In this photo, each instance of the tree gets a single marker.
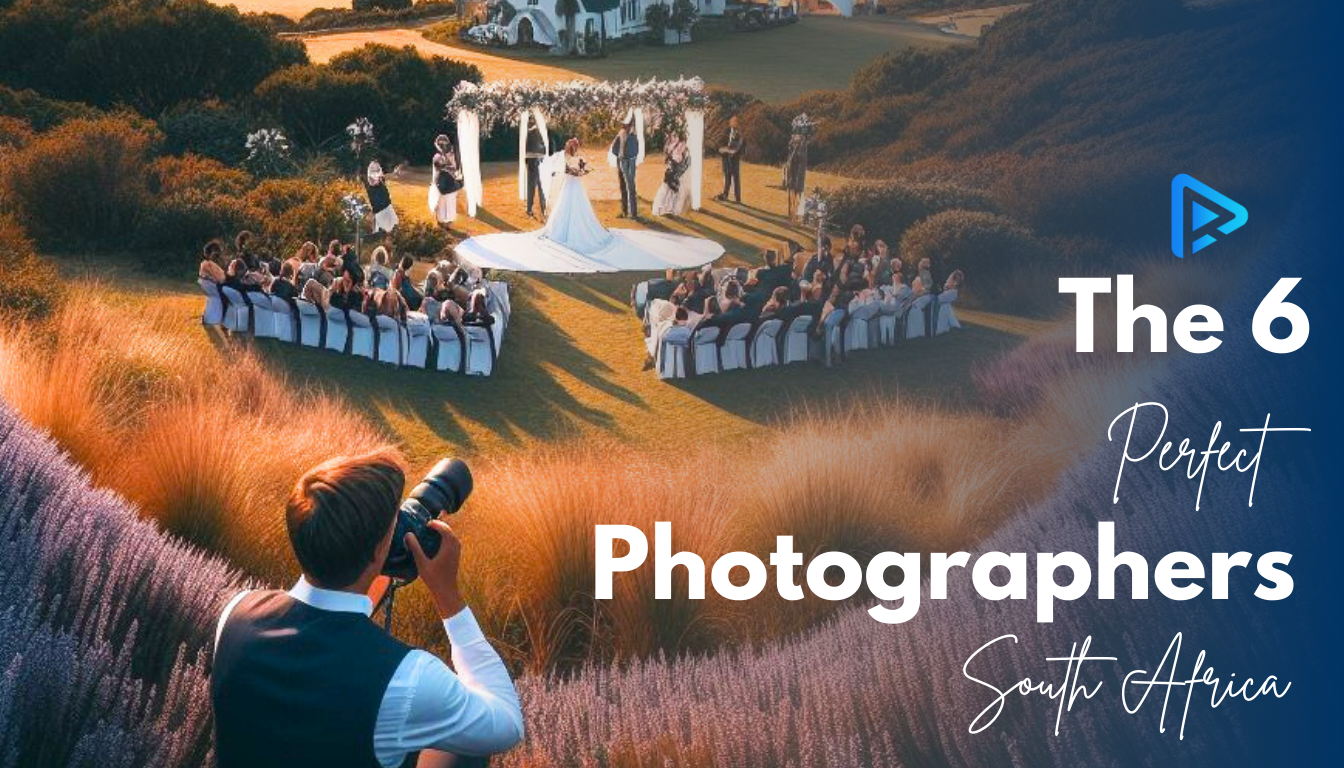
(314, 103)
(570, 9)
(148, 55)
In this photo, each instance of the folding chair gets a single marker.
(283, 313)
(214, 303)
(238, 314)
(765, 343)
(733, 351)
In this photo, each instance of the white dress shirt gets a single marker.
(474, 712)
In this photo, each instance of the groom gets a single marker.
(626, 150)
(536, 151)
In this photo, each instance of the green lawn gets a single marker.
(819, 52)
(572, 362)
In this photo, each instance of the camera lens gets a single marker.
(443, 491)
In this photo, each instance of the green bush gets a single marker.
(1007, 268)
(32, 287)
(315, 103)
(365, 14)
(886, 210)
(83, 182)
(15, 132)
(906, 71)
(413, 90)
(39, 111)
(149, 55)
(208, 128)
(380, 5)
(284, 213)
(420, 240)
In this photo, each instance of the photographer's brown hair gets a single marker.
(339, 512)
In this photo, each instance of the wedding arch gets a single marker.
(478, 109)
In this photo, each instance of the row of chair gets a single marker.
(415, 343)
(681, 351)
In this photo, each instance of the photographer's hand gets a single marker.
(440, 573)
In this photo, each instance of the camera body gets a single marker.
(443, 491)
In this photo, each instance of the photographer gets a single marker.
(306, 678)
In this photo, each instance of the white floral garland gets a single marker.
(504, 101)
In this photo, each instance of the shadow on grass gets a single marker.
(925, 369)
(524, 400)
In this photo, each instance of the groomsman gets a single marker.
(536, 151)
(626, 149)
(732, 161)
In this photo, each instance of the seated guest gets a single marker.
(334, 249)
(954, 280)
(917, 288)
(211, 269)
(242, 250)
(779, 299)
(815, 288)
(327, 269)
(730, 298)
(350, 266)
(284, 286)
(477, 312)
(306, 255)
(926, 274)
(401, 283)
(857, 245)
(881, 266)
(346, 294)
(380, 274)
(386, 302)
(316, 293)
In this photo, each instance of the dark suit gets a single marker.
(536, 150)
(627, 157)
(732, 164)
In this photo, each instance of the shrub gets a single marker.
(420, 239)
(316, 103)
(207, 128)
(15, 132)
(413, 91)
(1006, 266)
(887, 209)
(287, 212)
(32, 287)
(40, 112)
(906, 71)
(84, 181)
(148, 55)
(380, 5)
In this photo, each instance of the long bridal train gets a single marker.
(574, 241)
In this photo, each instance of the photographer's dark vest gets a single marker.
(296, 685)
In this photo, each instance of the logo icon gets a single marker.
(1201, 215)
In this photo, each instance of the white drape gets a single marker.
(845, 7)
(522, 146)
(636, 114)
(469, 151)
(695, 139)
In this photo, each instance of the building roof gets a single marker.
(600, 6)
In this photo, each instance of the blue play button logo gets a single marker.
(1201, 215)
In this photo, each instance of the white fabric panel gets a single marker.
(629, 250)
(522, 155)
(695, 139)
(639, 133)
(469, 154)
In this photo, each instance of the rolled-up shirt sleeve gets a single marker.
(474, 712)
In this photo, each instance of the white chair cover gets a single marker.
(214, 303)
(946, 318)
(733, 352)
(361, 335)
(284, 319)
(914, 317)
(310, 323)
(765, 344)
(705, 350)
(673, 349)
(338, 331)
(448, 345)
(391, 340)
(417, 341)
(886, 321)
(238, 314)
(263, 319)
(795, 341)
(856, 331)
(480, 351)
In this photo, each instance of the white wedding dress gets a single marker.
(572, 222)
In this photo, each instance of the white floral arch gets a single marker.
(479, 108)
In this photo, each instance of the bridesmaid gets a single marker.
(380, 199)
(445, 182)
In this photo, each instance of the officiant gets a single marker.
(731, 152)
(535, 152)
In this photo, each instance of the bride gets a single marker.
(572, 222)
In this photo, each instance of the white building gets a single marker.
(537, 21)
